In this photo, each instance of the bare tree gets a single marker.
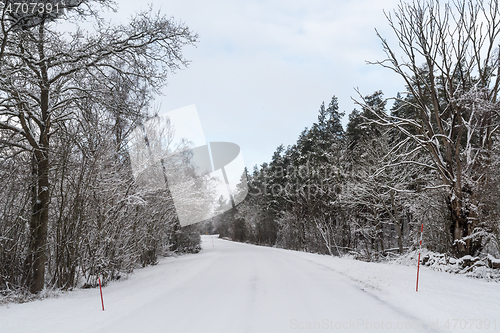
(43, 75)
(449, 61)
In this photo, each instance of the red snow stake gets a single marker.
(102, 300)
(419, 251)
(213, 241)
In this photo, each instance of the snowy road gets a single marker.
(228, 287)
(244, 288)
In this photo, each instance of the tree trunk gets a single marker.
(397, 222)
(400, 237)
(39, 224)
(458, 227)
(40, 217)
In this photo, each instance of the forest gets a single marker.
(71, 210)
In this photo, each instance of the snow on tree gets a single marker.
(448, 58)
(47, 75)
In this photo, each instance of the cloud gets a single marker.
(262, 68)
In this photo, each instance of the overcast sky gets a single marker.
(262, 68)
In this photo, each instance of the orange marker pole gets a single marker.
(102, 300)
(419, 251)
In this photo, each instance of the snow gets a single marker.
(474, 267)
(493, 259)
(443, 298)
(234, 287)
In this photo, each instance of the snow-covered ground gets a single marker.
(232, 287)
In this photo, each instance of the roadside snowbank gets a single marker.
(487, 268)
(447, 302)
